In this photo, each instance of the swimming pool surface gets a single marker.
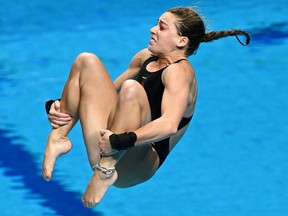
(233, 161)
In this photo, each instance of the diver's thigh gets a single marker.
(136, 166)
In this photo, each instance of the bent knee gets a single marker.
(86, 59)
(131, 90)
(130, 84)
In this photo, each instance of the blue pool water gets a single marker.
(233, 161)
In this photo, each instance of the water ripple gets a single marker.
(20, 165)
(275, 33)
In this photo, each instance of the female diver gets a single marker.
(130, 125)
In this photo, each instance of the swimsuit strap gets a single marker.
(179, 60)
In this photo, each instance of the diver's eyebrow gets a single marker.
(162, 22)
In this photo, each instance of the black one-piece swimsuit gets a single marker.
(152, 83)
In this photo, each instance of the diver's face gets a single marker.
(164, 36)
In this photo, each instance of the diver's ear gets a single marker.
(183, 41)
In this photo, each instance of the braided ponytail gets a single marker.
(191, 25)
(213, 35)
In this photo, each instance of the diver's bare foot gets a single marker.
(55, 147)
(97, 188)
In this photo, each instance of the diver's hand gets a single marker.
(105, 145)
(56, 118)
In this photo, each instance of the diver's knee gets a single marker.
(130, 90)
(87, 59)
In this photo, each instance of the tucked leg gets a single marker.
(89, 94)
(132, 111)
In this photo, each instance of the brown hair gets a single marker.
(191, 25)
